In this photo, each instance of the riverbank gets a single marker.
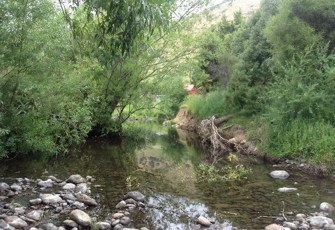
(232, 137)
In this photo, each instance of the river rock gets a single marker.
(76, 179)
(81, 218)
(117, 215)
(79, 205)
(81, 188)
(35, 201)
(204, 221)
(70, 223)
(69, 186)
(50, 198)
(326, 207)
(19, 210)
(68, 196)
(125, 220)
(45, 183)
(274, 227)
(16, 187)
(290, 225)
(329, 227)
(86, 200)
(5, 226)
(49, 226)
(285, 189)
(279, 174)
(35, 215)
(122, 204)
(118, 226)
(136, 195)
(103, 225)
(3, 198)
(320, 221)
(53, 178)
(16, 222)
(4, 189)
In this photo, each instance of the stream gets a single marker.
(165, 171)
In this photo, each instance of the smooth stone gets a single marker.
(326, 207)
(122, 204)
(136, 195)
(86, 200)
(130, 201)
(117, 215)
(35, 201)
(118, 226)
(290, 225)
(3, 198)
(53, 178)
(68, 196)
(285, 189)
(103, 225)
(49, 226)
(274, 227)
(203, 221)
(329, 227)
(46, 184)
(19, 210)
(4, 189)
(79, 205)
(81, 188)
(70, 223)
(116, 222)
(279, 174)
(35, 215)
(3, 224)
(81, 218)
(16, 222)
(69, 186)
(76, 179)
(50, 198)
(125, 220)
(144, 228)
(61, 228)
(16, 187)
(304, 226)
(319, 221)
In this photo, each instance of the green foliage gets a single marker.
(301, 138)
(207, 105)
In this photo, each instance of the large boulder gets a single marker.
(279, 174)
(81, 218)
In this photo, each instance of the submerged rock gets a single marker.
(279, 174)
(285, 189)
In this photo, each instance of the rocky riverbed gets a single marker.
(55, 204)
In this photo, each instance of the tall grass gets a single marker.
(312, 140)
(206, 105)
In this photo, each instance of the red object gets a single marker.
(191, 89)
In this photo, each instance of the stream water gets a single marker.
(165, 170)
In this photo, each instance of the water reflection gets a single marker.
(164, 169)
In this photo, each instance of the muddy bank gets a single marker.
(222, 138)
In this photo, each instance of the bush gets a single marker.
(206, 105)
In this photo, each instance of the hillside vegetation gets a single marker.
(276, 71)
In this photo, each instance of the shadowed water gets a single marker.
(165, 170)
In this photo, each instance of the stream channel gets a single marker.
(165, 170)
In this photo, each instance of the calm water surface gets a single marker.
(165, 170)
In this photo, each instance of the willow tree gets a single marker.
(116, 40)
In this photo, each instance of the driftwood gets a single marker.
(219, 144)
